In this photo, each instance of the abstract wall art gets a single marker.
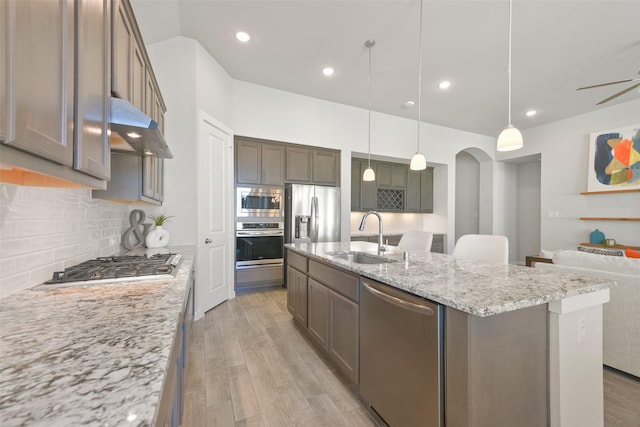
(614, 159)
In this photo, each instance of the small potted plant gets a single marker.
(159, 220)
(159, 236)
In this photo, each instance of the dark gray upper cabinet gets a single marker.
(3, 66)
(426, 191)
(395, 189)
(274, 163)
(391, 175)
(41, 73)
(56, 55)
(135, 179)
(92, 151)
(363, 193)
(258, 162)
(420, 191)
(326, 167)
(308, 165)
(299, 164)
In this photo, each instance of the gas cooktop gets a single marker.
(118, 269)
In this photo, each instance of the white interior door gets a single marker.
(214, 268)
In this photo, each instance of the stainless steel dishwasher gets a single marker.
(401, 356)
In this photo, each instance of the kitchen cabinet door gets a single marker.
(391, 175)
(299, 165)
(41, 52)
(356, 178)
(413, 199)
(272, 164)
(426, 191)
(343, 335)
(326, 167)
(93, 51)
(138, 77)
(248, 162)
(3, 75)
(318, 313)
(123, 39)
(368, 192)
(297, 295)
(153, 178)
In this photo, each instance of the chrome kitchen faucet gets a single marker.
(381, 246)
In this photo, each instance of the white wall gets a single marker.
(190, 81)
(43, 230)
(564, 149)
(528, 241)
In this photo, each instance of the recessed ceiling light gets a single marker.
(242, 36)
(444, 84)
(531, 113)
(409, 104)
(328, 71)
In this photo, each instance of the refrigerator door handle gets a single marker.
(314, 218)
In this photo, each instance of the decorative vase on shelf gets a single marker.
(596, 237)
(158, 237)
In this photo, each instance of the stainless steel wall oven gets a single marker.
(259, 243)
(259, 254)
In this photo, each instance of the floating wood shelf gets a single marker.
(586, 193)
(595, 245)
(609, 219)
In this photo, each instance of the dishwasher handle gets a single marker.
(398, 302)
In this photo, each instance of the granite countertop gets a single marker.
(470, 286)
(89, 355)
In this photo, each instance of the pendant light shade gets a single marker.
(510, 138)
(418, 161)
(369, 174)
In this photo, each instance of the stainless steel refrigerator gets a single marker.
(312, 214)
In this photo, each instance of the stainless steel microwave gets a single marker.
(259, 202)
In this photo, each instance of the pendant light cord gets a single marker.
(419, 74)
(370, 44)
(509, 62)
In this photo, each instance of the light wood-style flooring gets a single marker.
(248, 365)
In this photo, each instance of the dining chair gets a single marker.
(492, 249)
(415, 240)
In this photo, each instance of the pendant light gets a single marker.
(369, 174)
(418, 162)
(510, 138)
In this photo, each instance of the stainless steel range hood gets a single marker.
(137, 129)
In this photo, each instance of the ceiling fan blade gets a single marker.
(622, 92)
(606, 84)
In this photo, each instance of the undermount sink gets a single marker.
(360, 257)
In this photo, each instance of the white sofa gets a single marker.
(621, 315)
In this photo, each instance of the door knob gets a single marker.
(207, 241)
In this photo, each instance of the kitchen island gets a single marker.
(93, 355)
(519, 346)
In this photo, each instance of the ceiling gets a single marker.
(558, 46)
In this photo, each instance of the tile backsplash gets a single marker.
(43, 230)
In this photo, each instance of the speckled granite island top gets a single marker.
(89, 355)
(473, 287)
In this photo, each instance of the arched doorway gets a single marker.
(473, 193)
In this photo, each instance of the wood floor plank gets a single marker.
(243, 397)
(622, 399)
(219, 414)
(249, 365)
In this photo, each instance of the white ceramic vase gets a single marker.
(158, 237)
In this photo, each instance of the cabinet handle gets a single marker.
(207, 241)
